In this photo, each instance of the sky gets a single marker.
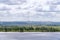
(30, 10)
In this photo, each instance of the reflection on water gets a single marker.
(30, 36)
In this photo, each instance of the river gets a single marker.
(29, 35)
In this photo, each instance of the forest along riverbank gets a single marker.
(29, 28)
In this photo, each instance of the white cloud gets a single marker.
(33, 10)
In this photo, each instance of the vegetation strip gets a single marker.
(30, 29)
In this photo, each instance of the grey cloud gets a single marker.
(45, 15)
(4, 9)
(56, 2)
(12, 2)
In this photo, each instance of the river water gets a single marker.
(29, 35)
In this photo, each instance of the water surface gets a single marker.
(30, 36)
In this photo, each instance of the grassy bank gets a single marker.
(29, 28)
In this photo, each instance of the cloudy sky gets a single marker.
(30, 10)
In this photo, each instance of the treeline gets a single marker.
(30, 29)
